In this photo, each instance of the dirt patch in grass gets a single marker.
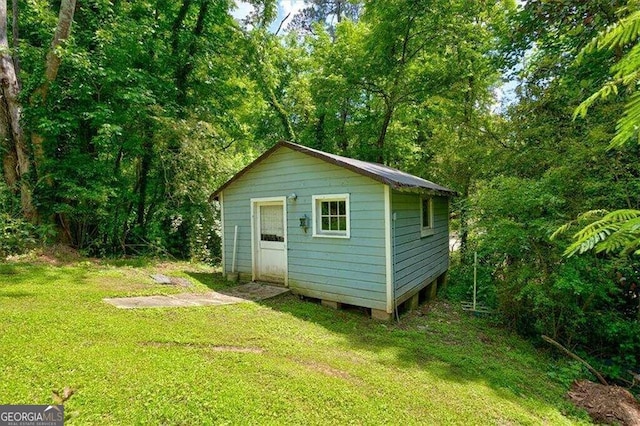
(55, 255)
(208, 346)
(236, 349)
(487, 340)
(606, 404)
(326, 370)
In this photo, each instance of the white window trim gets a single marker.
(317, 231)
(426, 231)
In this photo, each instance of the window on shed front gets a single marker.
(271, 223)
(331, 215)
(426, 216)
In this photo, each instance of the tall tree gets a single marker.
(16, 160)
(324, 13)
(17, 150)
(119, 119)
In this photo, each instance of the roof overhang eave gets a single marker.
(424, 191)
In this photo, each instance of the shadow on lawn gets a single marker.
(442, 340)
(8, 269)
(469, 352)
(30, 274)
(215, 281)
(129, 262)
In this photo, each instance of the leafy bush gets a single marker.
(582, 301)
(16, 235)
(461, 275)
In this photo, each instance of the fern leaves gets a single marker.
(613, 232)
(625, 73)
(623, 32)
(617, 231)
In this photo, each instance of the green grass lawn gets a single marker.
(279, 361)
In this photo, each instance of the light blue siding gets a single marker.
(418, 260)
(343, 270)
(349, 270)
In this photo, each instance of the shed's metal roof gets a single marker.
(396, 179)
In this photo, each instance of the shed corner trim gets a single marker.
(388, 248)
(220, 198)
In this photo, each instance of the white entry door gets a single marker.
(270, 244)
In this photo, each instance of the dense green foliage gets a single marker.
(16, 235)
(157, 103)
(281, 361)
(617, 231)
(552, 170)
(135, 125)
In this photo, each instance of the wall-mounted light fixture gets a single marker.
(293, 196)
(304, 223)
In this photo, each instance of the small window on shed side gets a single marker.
(426, 216)
(331, 216)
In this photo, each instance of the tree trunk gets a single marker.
(186, 66)
(143, 181)
(9, 163)
(65, 18)
(9, 158)
(462, 136)
(319, 133)
(16, 40)
(182, 64)
(343, 141)
(282, 114)
(464, 225)
(388, 114)
(11, 129)
(177, 23)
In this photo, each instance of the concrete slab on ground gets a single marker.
(161, 279)
(240, 294)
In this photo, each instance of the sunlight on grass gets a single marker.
(282, 361)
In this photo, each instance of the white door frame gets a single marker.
(255, 247)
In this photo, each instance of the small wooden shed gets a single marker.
(335, 228)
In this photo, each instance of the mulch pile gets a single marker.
(606, 404)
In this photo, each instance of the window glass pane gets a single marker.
(332, 216)
(271, 223)
(426, 216)
(333, 210)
